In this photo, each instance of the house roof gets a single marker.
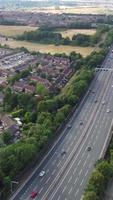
(8, 121)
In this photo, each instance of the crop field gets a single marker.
(75, 10)
(15, 30)
(70, 32)
(48, 48)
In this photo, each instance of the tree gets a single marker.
(90, 195)
(44, 115)
(27, 117)
(59, 118)
(65, 109)
(41, 89)
(7, 182)
(7, 137)
(105, 169)
(96, 183)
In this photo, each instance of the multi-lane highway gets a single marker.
(67, 175)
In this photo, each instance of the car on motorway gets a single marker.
(81, 123)
(42, 173)
(63, 152)
(89, 149)
(93, 92)
(96, 101)
(112, 86)
(69, 126)
(103, 102)
(34, 194)
(108, 111)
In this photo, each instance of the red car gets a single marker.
(34, 194)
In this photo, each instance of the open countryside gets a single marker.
(44, 48)
(75, 10)
(15, 30)
(70, 32)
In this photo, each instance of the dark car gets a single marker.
(89, 149)
(81, 123)
(63, 152)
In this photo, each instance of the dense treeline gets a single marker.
(100, 177)
(11, 23)
(109, 38)
(48, 35)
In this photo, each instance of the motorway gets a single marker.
(67, 176)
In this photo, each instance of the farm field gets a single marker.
(75, 10)
(15, 30)
(70, 32)
(48, 48)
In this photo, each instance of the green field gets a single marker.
(15, 30)
(44, 48)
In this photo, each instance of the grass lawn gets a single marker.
(44, 48)
(14, 30)
(70, 32)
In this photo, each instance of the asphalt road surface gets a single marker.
(67, 175)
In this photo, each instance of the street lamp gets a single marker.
(13, 182)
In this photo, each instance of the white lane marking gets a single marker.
(80, 172)
(87, 172)
(69, 179)
(76, 180)
(79, 162)
(82, 182)
(53, 171)
(74, 170)
(47, 180)
(76, 193)
(64, 189)
(41, 190)
(58, 164)
(59, 197)
(70, 190)
(85, 163)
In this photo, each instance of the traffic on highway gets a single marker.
(64, 172)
